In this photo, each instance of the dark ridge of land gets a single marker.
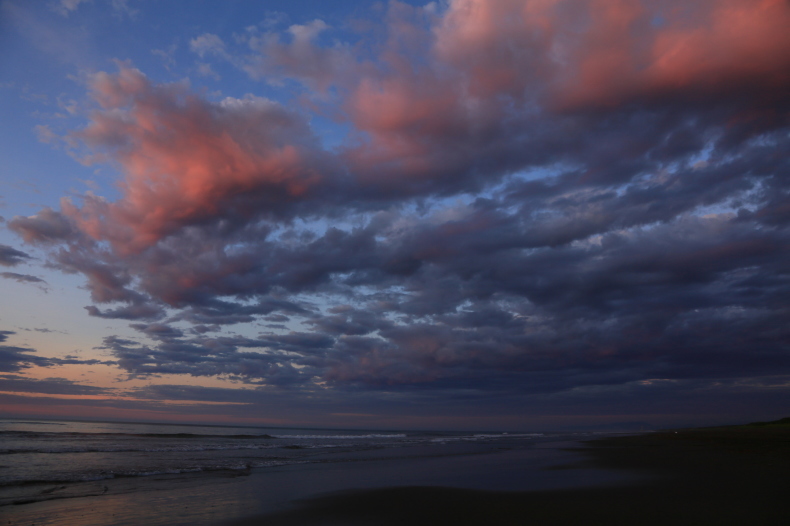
(773, 423)
(723, 476)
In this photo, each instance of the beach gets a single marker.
(717, 476)
(703, 476)
(105, 473)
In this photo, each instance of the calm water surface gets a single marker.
(122, 473)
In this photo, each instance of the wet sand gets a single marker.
(736, 475)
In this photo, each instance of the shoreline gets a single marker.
(219, 498)
(733, 475)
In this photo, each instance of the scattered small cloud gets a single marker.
(66, 7)
(205, 70)
(208, 44)
(167, 56)
(45, 134)
(70, 106)
(22, 278)
(14, 359)
(12, 383)
(120, 8)
(11, 257)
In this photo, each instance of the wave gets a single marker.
(25, 422)
(110, 449)
(508, 435)
(96, 477)
(28, 434)
(160, 449)
(337, 437)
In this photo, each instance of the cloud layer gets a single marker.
(534, 197)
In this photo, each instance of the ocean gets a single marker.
(44, 461)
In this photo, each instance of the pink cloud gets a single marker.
(186, 160)
(441, 99)
(499, 48)
(300, 58)
(576, 53)
(711, 48)
(487, 64)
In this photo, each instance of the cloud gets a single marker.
(48, 226)
(533, 198)
(188, 161)
(299, 58)
(45, 134)
(65, 7)
(205, 70)
(158, 331)
(54, 386)
(208, 44)
(134, 311)
(196, 393)
(11, 257)
(167, 56)
(14, 359)
(120, 7)
(219, 356)
(604, 53)
(22, 278)
(68, 44)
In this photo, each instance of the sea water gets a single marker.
(43, 460)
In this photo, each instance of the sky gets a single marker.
(462, 214)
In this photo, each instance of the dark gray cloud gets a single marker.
(15, 359)
(22, 278)
(542, 285)
(278, 360)
(158, 331)
(658, 403)
(53, 386)
(133, 311)
(46, 227)
(45, 330)
(10, 257)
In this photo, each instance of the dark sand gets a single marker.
(734, 475)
